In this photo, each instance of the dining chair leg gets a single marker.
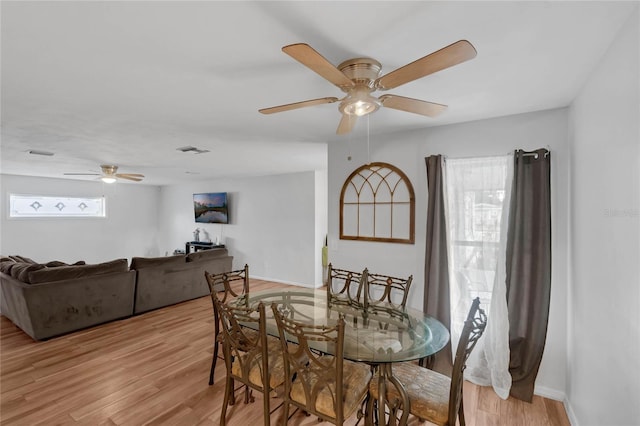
(229, 399)
(213, 363)
(461, 413)
(265, 408)
(285, 413)
(369, 411)
(216, 344)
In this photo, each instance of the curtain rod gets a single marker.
(533, 154)
(525, 153)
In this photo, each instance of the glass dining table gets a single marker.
(379, 334)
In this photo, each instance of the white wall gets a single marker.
(321, 222)
(130, 228)
(604, 326)
(480, 138)
(273, 224)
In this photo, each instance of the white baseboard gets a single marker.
(558, 396)
(572, 416)
(550, 393)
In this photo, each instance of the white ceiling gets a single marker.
(127, 83)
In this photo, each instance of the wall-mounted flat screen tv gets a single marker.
(211, 207)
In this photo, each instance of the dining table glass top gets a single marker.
(379, 333)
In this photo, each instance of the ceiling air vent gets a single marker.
(192, 149)
(36, 152)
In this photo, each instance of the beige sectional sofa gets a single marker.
(51, 299)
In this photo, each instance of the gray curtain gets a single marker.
(436, 269)
(528, 268)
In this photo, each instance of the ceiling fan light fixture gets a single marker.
(108, 179)
(359, 102)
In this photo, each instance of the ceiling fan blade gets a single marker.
(297, 105)
(346, 124)
(416, 106)
(308, 57)
(129, 177)
(454, 54)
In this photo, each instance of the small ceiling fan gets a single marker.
(109, 174)
(359, 77)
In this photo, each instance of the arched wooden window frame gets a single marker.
(365, 172)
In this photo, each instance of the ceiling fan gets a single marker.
(109, 174)
(359, 77)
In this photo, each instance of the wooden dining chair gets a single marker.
(384, 288)
(250, 358)
(224, 286)
(327, 386)
(345, 286)
(433, 396)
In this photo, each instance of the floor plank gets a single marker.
(154, 368)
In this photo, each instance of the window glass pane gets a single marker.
(475, 189)
(48, 206)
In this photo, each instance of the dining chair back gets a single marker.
(433, 396)
(250, 358)
(473, 329)
(318, 379)
(385, 288)
(224, 286)
(345, 286)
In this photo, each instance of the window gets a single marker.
(377, 203)
(48, 206)
(477, 204)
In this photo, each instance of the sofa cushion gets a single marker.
(17, 268)
(56, 263)
(22, 269)
(24, 259)
(78, 271)
(6, 263)
(207, 254)
(150, 262)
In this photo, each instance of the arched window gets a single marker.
(377, 203)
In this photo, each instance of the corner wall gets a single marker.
(604, 309)
(274, 226)
(479, 138)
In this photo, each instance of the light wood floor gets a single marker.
(154, 369)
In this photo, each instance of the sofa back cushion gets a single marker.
(138, 263)
(60, 273)
(6, 263)
(21, 270)
(207, 254)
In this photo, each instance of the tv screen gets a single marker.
(211, 207)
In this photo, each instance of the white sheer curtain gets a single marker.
(477, 193)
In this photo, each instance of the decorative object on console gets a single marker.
(211, 207)
(200, 245)
(377, 203)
